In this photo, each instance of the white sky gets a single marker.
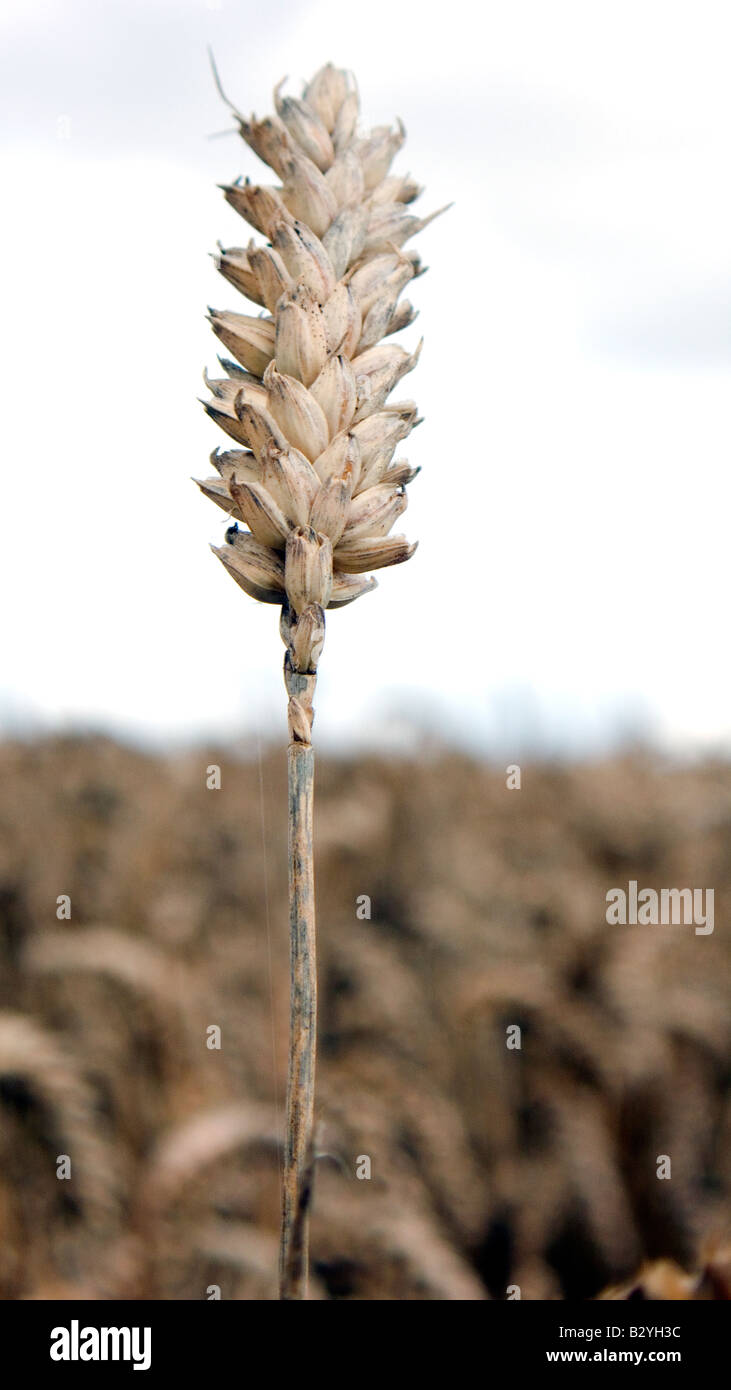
(571, 582)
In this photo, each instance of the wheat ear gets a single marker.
(314, 483)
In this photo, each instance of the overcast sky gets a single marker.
(571, 585)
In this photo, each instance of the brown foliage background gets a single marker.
(490, 1167)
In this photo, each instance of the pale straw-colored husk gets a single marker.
(313, 491)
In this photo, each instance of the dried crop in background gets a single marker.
(489, 1167)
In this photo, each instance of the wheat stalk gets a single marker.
(314, 484)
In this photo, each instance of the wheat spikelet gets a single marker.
(180, 1182)
(133, 962)
(662, 1280)
(201, 1140)
(33, 1058)
(315, 485)
(307, 396)
(242, 1245)
(33, 1055)
(146, 996)
(399, 1235)
(249, 1254)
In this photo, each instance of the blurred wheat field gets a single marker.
(490, 1167)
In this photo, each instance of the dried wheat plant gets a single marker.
(314, 483)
